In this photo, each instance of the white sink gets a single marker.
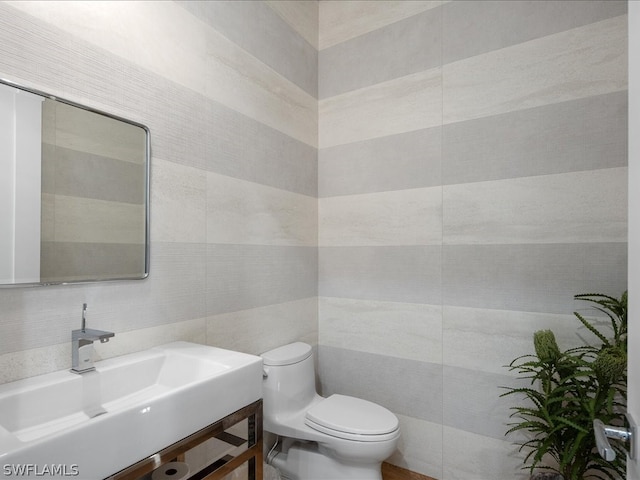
(98, 423)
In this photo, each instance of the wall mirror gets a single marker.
(74, 192)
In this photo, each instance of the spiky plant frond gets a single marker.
(569, 389)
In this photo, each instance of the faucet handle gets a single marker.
(84, 317)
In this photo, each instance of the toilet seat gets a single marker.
(352, 418)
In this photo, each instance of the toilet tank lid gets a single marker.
(287, 354)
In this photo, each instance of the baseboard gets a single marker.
(393, 472)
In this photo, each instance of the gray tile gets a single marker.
(472, 403)
(260, 31)
(401, 48)
(81, 174)
(240, 277)
(396, 162)
(584, 134)
(186, 127)
(491, 25)
(397, 274)
(73, 261)
(175, 290)
(196, 131)
(27, 312)
(531, 278)
(244, 148)
(406, 387)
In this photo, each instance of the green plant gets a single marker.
(568, 391)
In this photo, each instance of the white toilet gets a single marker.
(334, 438)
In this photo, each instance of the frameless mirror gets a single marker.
(74, 192)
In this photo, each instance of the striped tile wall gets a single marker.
(433, 130)
(229, 92)
(471, 179)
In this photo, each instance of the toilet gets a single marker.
(334, 438)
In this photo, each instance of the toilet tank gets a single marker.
(289, 384)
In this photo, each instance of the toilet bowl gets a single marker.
(334, 438)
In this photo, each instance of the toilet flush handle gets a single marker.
(265, 372)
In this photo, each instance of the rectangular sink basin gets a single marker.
(129, 408)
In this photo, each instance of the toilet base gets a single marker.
(305, 461)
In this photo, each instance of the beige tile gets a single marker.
(203, 59)
(243, 83)
(484, 457)
(577, 63)
(341, 21)
(420, 447)
(576, 207)
(84, 131)
(136, 340)
(260, 329)
(400, 105)
(178, 200)
(97, 221)
(402, 330)
(243, 212)
(301, 16)
(37, 361)
(142, 32)
(403, 217)
(486, 340)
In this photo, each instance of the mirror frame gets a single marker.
(147, 190)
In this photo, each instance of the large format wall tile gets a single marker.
(401, 105)
(484, 457)
(173, 293)
(179, 199)
(472, 402)
(244, 148)
(341, 21)
(204, 60)
(578, 63)
(240, 277)
(584, 134)
(577, 207)
(244, 212)
(186, 126)
(260, 31)
(531, 277)
(491, 25)
(488, 340)
(394, 162)
(420, 446)
(522, 130)
(51, 358)
(212, 108)
(394, 329)
(258, 330)
(403, 217)
(395, 274)
(380, 378)
(407, 46)
(301, 16)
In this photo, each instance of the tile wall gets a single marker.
(229, 92)
(471, 178)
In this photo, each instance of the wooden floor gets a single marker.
(391, 472)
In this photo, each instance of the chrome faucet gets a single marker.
(82, 345)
